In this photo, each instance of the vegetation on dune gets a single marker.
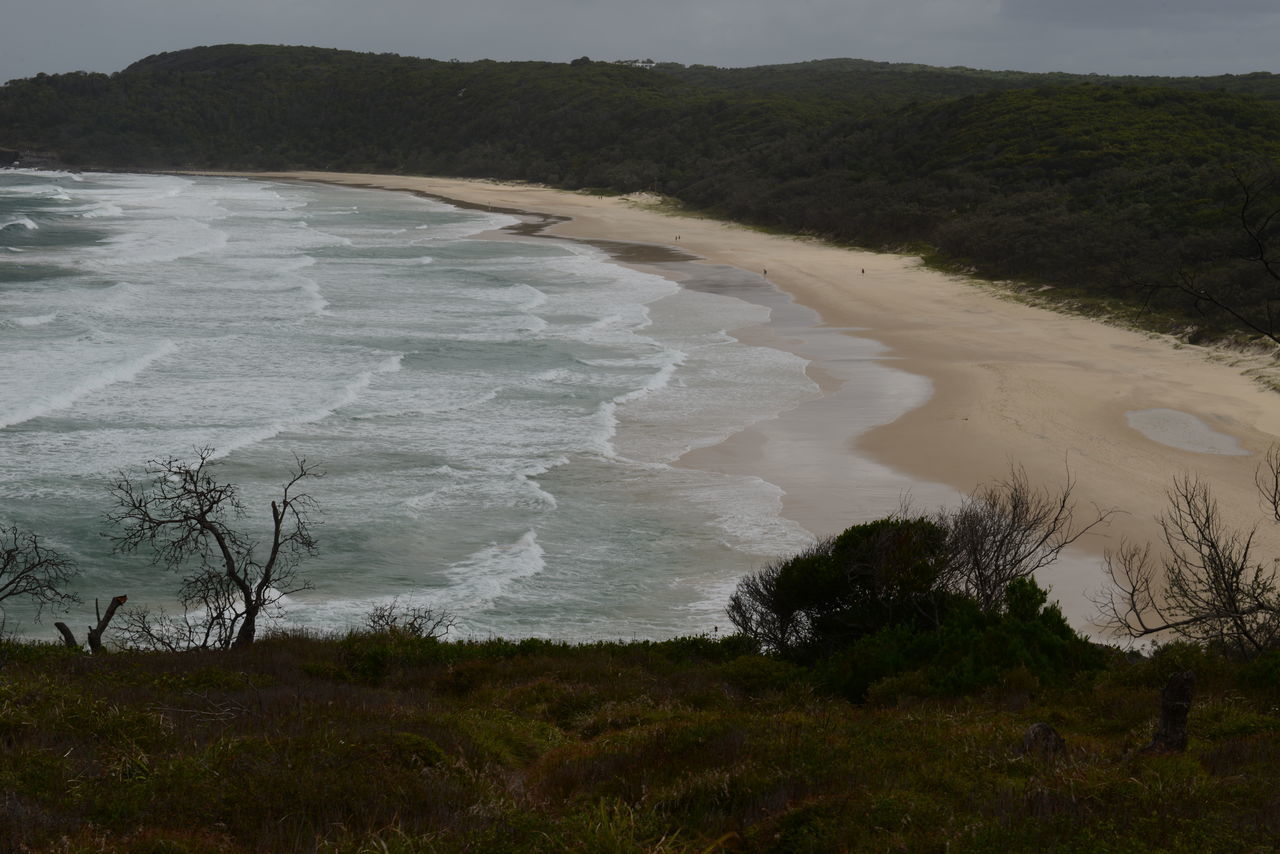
(385, 741)
(1125, 194)
(904, 686)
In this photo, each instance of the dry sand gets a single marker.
(1011, 384)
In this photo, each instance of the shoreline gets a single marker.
(792, 449)
(1010, 385)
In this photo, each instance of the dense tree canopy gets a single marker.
(1110, 189)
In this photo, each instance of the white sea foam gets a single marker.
(36, 320)
(103, 209)
(523, 297)
(45, 173)
(163, 241)
(346, 395)
(120, 372)
(120, 298)
(496, 487)
(658, 380)
(488, 573)
(20, 222)
(317, 303)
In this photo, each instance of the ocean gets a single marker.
(499, 419)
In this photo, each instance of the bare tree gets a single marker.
(1207, 586)
(192, 522)
(32, 571)
(1005, 531)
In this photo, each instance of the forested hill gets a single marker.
(1111, 191)
(896, 83)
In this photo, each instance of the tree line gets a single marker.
(1121, 194)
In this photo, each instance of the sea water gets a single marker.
(498, 420)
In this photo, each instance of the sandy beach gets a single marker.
(1007, 383)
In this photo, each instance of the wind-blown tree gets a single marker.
(192, 522)
(31, 570)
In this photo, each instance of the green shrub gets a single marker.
(1263, 673)
(417, 750)
(896, 689)
(754, 674)
(697, 648)
(870, 576)
(370, 657)
(967, 651)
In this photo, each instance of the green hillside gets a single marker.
(374, 743)
(1111, 191)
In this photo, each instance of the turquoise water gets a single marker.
(497, 418)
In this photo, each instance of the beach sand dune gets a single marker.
(1011, 384)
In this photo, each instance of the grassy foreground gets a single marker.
(386, 743)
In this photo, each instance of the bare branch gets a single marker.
(413, 621)
(191, 522)
(1214, 590)
(1006, 531)
(32, 571)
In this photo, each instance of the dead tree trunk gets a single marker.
(1175, 706)
(95, 632)
(68, 639)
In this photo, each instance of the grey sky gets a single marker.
(1167, 37)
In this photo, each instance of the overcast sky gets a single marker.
(1165, 37)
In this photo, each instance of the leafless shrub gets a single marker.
(410, 620)
(1207, 586)
(1006, 531)
(211, 612)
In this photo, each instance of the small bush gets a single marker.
(417, 750)
(900, 688)
(753, 674)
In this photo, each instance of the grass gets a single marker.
(388, 744)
